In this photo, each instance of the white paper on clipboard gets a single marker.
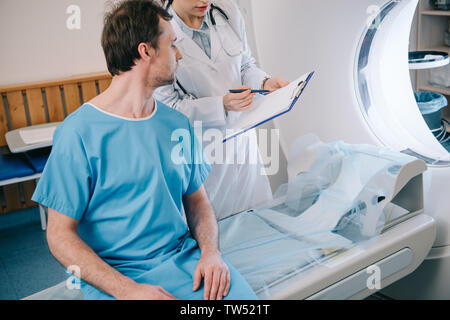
(268, 107)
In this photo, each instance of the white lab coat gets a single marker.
(231, 187)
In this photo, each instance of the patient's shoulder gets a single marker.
(69, 131)
(173, 117)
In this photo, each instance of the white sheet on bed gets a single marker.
(336, 199)
(263, 254)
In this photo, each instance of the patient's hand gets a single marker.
(140, 291)
(216, 276)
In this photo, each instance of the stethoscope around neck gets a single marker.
(227, 50)
(211, 10)
(214, 23)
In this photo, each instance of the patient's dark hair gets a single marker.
(128, 24)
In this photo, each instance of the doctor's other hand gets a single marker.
(142, 291)
(273, 84)
(215, 274)
(238, 101)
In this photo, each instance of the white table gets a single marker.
(43, 137)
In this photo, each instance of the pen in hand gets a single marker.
(252, 91)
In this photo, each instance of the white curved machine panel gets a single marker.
(361, 91)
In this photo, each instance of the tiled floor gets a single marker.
(26, 264)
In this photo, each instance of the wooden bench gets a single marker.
(38, 103)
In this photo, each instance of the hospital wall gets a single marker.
(38, 44)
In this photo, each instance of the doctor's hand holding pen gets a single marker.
(238, 101)
(241, 99)
(273, 84)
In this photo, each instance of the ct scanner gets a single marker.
(361, 93)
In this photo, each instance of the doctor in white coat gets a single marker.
(216, 58)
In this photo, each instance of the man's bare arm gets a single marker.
(203, 225)
(70, 250)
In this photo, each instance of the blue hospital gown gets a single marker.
(123, 180)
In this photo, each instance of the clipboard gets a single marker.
(295, 96)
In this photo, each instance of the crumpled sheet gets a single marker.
(338, 196)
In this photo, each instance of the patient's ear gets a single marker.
(146, 52)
